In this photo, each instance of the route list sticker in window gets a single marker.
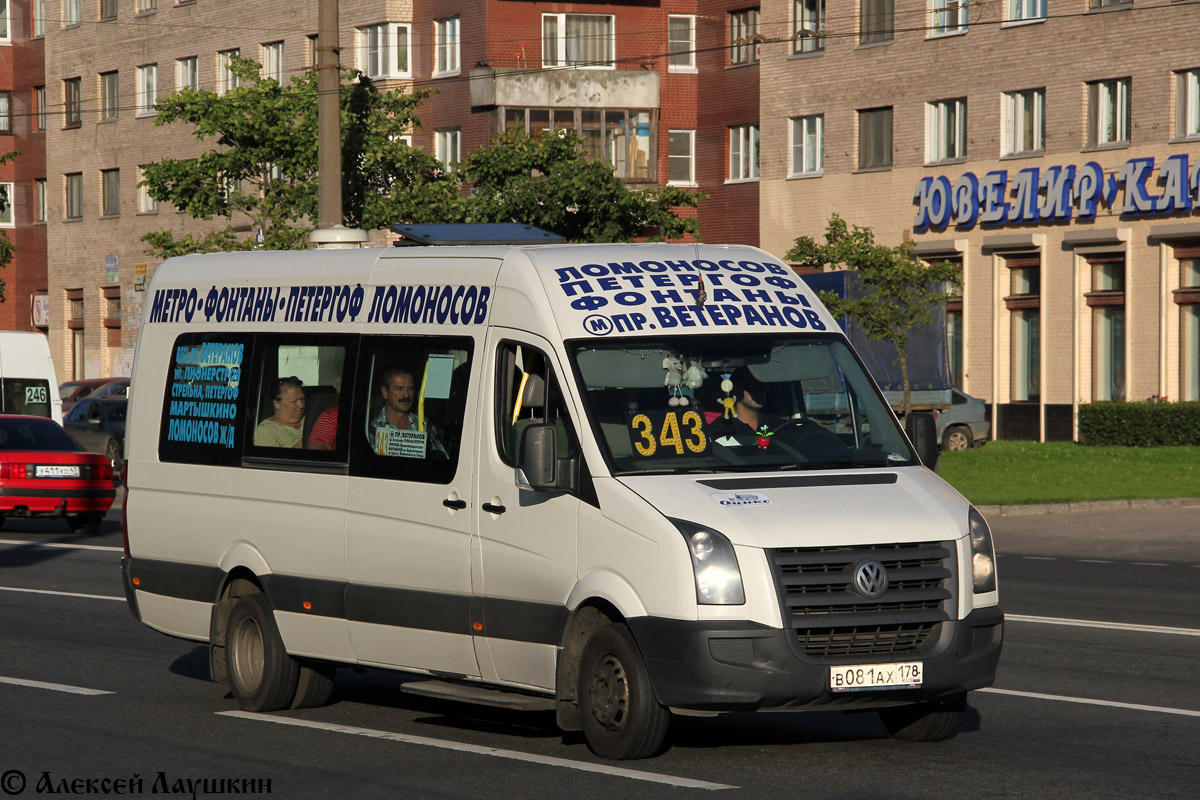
(204, 391)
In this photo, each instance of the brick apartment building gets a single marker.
(625, 76)
(1049, 146)
(22, 129)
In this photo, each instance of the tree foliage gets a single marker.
(259, 169)
(260, 161)
(898, 290)
(7, 248)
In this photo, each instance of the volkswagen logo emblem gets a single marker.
(870, 579)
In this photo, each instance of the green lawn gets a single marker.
(1002, 473)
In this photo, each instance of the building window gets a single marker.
(681, 42)
(945, 130)
(808, 35)
(146, 6)
(1108, 112)
(876, 21)
(1024, 122)
(147, 89)
(1187, 103)
(743, 153)
(1108, 3)
(1019, 10)
(681, 158)
(5, 112)
(875, 138)
(1024, 302)
(108, 10)
(227, 79)
(1107, 301)
(447, 148)
(38, 21)
(6, 213)
(110, 96)
(74, 195)
(808, 145)
(383, 51)
(621, 137)
(1189, 299)
(743, 36)
(578, 40)
(146, 203)
(948, 16)
(39, 200)
(72, 12)
(72, 103)
(39, 109)
(110, 192)
(311, 53)
(445, 38)
(272, 61)
(954, 330)
(187, 73)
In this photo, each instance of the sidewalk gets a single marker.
(1093, 506)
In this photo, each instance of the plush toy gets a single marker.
(672, 381)
(727, 400)
(694, 376)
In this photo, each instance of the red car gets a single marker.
(45, 472)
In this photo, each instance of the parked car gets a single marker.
(46, 472)
(71, 392)
(99, 424)
(965, 424)
(113, 387)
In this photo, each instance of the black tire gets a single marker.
(113, 453)
(261, 673)
(924, 722)
(957, 439)
(315, 685)
(89, 524)
(621, 716)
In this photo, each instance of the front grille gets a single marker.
(833, 620)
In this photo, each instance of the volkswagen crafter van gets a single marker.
(522, 475)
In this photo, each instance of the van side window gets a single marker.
(527, 392)
(410, 403)
(26, 396)
(301, 387)
(205, 400)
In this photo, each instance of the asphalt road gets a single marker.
(1096, 697)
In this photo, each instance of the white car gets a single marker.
(966, 424)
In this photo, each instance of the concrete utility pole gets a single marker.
(329, 122)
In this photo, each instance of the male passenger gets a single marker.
(389, 429)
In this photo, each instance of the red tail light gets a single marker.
(124, 504)
(103, 471)
(11, 470)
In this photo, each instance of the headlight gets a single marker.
(718, 579)
(983, 553)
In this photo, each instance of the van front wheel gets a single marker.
(622, 719)
(263, 676)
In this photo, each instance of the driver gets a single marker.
(749, 419)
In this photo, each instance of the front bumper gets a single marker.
(730, 666)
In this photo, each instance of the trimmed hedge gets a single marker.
(1139, 424)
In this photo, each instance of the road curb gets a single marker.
(1085, 507)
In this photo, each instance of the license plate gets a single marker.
(866, 677)
(57, 471)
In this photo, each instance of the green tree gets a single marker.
(7, 248)
(550, 183)
(260, 162)
(898, 291)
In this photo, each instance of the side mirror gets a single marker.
(540, 468)
(922, 432)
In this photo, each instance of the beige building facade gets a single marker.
(106, 63)
(1052, 147)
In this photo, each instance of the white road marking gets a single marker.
(1039, 558)
(551, 761)
(61, 594)
(54, 687)
(1185, 712)
(1112, 626)
(1095, 561)
(64, 545)
(1148, 564)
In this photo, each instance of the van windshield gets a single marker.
(702, 404)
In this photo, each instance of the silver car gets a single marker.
(966, 424)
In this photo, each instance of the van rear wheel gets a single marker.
(261, 673)
(924, 722)
(622, 718)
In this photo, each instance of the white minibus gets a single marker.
(619, 482)
(28, 384)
